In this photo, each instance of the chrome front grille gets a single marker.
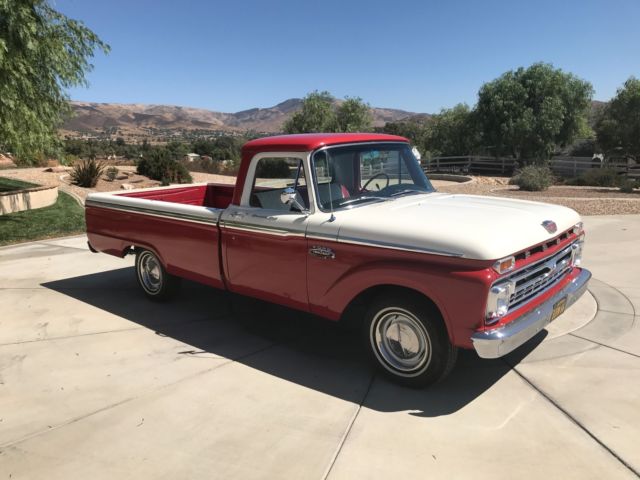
(535, 278)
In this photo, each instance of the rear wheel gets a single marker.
(407, 340)
(156, 283)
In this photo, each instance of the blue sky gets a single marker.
(414, 55)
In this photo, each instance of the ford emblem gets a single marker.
(550, 226)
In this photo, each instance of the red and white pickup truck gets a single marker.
(347, 226)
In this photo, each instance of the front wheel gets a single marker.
(407, 340)
(156, 283)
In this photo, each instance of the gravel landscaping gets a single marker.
(584, 200)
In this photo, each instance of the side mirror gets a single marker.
(289, 197)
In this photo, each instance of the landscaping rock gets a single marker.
(6, 162)
(127, 186)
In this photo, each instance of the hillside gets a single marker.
(138, 120)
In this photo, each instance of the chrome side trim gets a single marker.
(322, 236)
(209, 216)
(499, 341)
(245, 227)
(397, 246)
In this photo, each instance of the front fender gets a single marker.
(458, 292)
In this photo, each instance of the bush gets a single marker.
(112, 173)
(628, 185)
(86, 173)
(533, 178)
(203, 164)
(159, 165)
(599, 177)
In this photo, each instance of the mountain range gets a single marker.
(165, 120)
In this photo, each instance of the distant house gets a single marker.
(191, 157)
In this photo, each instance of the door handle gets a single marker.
(325, 253)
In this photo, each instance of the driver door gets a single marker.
(264, 240)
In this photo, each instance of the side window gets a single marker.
(273, 175)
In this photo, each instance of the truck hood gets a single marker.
(469, 226)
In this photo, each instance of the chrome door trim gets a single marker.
(245, 227)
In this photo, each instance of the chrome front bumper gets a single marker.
(500, 341)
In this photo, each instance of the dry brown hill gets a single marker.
(163, 120)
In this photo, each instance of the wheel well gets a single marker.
(355, 311)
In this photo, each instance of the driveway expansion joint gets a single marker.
(352, 421)
(573, 419)
(150, 391)
(604, 345)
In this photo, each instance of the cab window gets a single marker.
(272, 176)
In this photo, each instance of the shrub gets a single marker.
(628, 185)
(86, 173)
(159, 165)
(203, 164)
(599, 177)
(533, 178)
(112, 173)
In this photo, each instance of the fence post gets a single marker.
(502, 160)
(469, 158)
(575, 167)
(437, 164)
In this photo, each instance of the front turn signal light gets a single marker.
(505, 265)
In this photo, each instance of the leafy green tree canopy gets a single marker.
(530, 111)
(415, 129)
(353, 115)
(453, 131)
(42, 53)
(320, 114)
(316, 115)
(618, 128)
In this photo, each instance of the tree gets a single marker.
(42, 53)
(353, 115)
(528, 112)
(415, 129)
(453, 132)
(618, 128)
(317, 115)
(227, 148)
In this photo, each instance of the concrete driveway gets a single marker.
(97, 382)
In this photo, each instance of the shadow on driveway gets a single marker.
(300, 348)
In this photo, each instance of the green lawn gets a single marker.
(8, 184)
(65, 217)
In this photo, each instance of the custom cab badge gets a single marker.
(550, 226)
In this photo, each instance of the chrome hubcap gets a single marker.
(150, 272)
(400, 340)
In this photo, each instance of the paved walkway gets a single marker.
(97, 382)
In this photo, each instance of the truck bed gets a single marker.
(210, 195)
(179, 223)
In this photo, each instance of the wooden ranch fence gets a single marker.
(561, 166)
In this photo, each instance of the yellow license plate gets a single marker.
(558, 308)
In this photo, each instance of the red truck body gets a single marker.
(276, 266)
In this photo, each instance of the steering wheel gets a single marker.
(379, 174)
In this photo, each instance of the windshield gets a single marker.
(356, 174)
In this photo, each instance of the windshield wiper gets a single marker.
(405, 192)
(362, 199)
